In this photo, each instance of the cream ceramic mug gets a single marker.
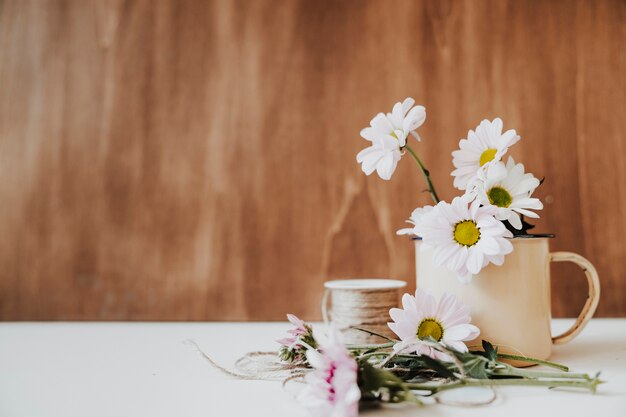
(510, 304)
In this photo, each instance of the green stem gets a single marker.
(373, 333)
(431, 187)
(533, 360)
(590, 385)
(507, 371)
(512, 371)
(372, 354)
(370, 347)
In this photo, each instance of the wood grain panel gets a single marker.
(194, 160)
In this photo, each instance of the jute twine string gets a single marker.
(354, 307)
(257, 365)
(360, 307)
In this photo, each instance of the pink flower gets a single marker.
(301, 338)
(332, 389)
(300, 329)
(446, 320)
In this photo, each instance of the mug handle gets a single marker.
(592, 300)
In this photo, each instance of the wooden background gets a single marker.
(195, 160)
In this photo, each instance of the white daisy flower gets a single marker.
(415, 219)
(508, 188)
(382, 157)
(465, 239)
(446, 321)
(403, 119)
(487, 144)
(387, 134)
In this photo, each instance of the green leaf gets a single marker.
(373, 379)
(491, 353)
(369, 379)
(438, 366)
(523, 231)
(475, 367)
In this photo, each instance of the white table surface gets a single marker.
(145, 369)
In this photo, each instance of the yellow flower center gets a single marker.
(500, 197)
(430, 328)
(466, 233)
(487, 156)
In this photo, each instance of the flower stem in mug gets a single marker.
(426, 173)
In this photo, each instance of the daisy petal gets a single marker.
(461, 332)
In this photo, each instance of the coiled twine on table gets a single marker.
(362, 303)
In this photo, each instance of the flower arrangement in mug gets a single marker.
(473, 230)
(430, 357)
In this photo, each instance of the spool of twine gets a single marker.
(362, 303)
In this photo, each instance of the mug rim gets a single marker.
(364, 284)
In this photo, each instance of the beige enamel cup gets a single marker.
(510, 304)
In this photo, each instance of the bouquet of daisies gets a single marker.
(472, 231)
(428, 358)
(429, 355)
